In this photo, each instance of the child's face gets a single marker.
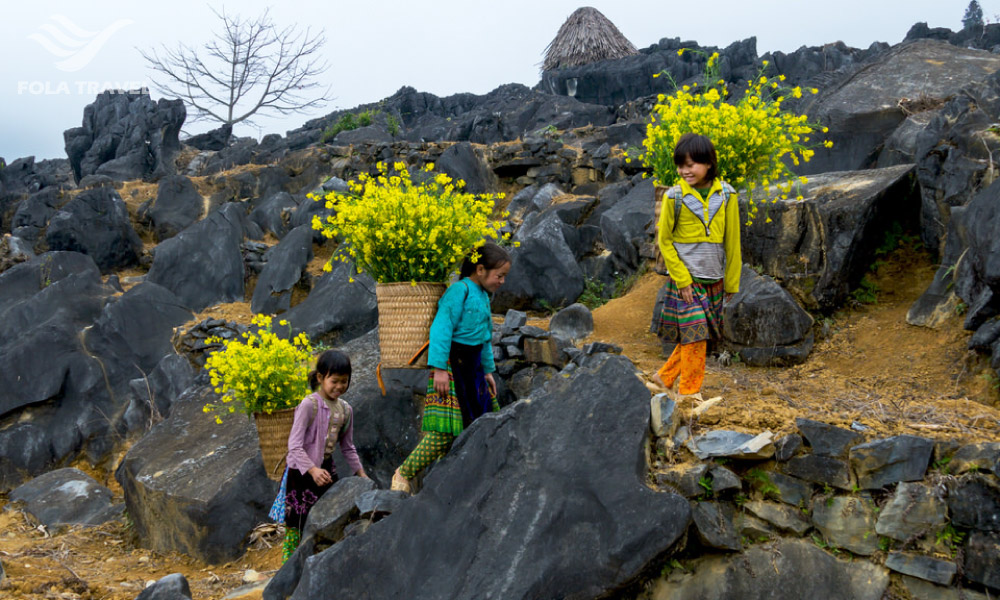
(491, 279)
(333, 385)
(695, 174)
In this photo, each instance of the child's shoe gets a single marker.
(400, 483)
(695, 397)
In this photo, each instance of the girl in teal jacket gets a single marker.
(461, 386)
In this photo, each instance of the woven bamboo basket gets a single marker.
(272, 432)
(405, 314)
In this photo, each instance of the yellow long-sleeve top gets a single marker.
(714, 219)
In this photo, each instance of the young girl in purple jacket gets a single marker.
(322, 420)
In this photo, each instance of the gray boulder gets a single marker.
(544, 270)
(126, 136)
(202, 265)
(557, 497)
(953, 155)
(825, 439)
(154, 393)
(976, 276)
(67, 497)
(935, 570)
(274, 213)
(982, 554)
(531, 199)
(340, 307)
(335, 509)
(866, 104)
(284, 269)
(775, 572)
(193, 486)
(939, 302)
(786, 518)
(628, 225)
(914, 510)
(819, 248)
(463, 162)
(378, 503)
(33, 213)
(96, 222)
(886, 461)
(714, 524)
(765, 324)
(57, 395)
(172, 587)
(846, 523)
(822, 470)
(574, 322)
(974, 503)
(177, 205)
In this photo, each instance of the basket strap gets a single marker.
(416, 356)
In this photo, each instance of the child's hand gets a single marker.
(687, 295)
(320, 476)
(441, 382)
(492, 384)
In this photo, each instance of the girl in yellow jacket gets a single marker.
(699, 238)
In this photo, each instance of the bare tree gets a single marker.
(249, 67)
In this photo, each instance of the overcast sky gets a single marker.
(57, 53)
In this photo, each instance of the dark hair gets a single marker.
(491, 256)
(331, 362)
(700, 150)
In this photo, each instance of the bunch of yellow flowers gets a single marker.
(397, 229)
(260, 373)
(754, 138)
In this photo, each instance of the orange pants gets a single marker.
(688, 361)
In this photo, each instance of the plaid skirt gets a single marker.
(468, 393)
(683, 323)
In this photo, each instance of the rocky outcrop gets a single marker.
(193, 486)
(866, 104)
(26, 176)
(536, 477)
(96, 222)
(203, 264)
(176, 206)
(70, 349)
(775, 571)
(126, 136)
(819, 248)
(284, 269)
(66, 497)
(765, 325)
(509, 112)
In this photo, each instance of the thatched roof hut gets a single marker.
(587, 36)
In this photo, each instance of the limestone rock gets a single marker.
(847, 523)
(775, 572)
(195, 487)
(67, 497)
(523, 505)
(899, 458)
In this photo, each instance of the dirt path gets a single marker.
(872, 368)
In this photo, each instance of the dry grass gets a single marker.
(587, 36)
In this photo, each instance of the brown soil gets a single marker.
(872, 368)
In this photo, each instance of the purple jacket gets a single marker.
(306, 444)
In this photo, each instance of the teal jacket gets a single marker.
(463, 316)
